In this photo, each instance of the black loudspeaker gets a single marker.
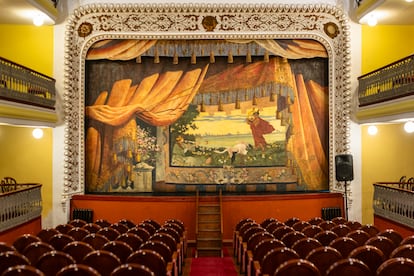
(344, 167)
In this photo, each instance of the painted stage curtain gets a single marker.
(160, 99)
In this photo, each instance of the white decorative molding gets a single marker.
(91, 23)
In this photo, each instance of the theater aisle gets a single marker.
(211, 266)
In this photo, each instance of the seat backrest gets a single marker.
(95, 240)
(315, 220)
(252, 230)
(120, 227)
(78, 269)
(132, 270)
(24, 240)
(111, 233)
(149, 226)
(127, 222)
(305, 245)
(150, 258)
(77, 222)
(385, 244)
(170, 231)
(393, 235)
(348, 266)
(121, 249)
(153, 222)
(311, 230)
(176, 226)
(359, 236)
(22, 270)
(341, 230)
(267, 221)
(279, 232)
(272, 226)
(326, 224)
(165, 238)
(354, 225)
(46, 233)
(241, 222)
(372, 230)
(176, 221)
(78, 250)
(256, 238)
(323, 257)
(370, 255)
(326, 237)
(103, 261)
(4, 247)
(404, 251)
(92, 227)
(59, 241)
(298, 226)
(338, 220)
(143, 233)
(408, 240)
(159, 247)
(131, 239)
(64, 228)
(396, 266)
(297, 267)
(8, 184)
(34, 250)
(78, 233)
(290, 238)
(275, 257)
(291, 221)
(53, 261)
(102, 223)
(344, 245)
(264, 246)
(12, 258)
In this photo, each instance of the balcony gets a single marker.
(26, 94)
(387, 91)
(20, 205)
(395, 202)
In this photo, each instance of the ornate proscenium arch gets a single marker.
(92, 23)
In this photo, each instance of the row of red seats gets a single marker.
(324, 247)
(99, 248)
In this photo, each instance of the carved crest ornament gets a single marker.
(91, 23)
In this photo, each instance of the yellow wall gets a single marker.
(386, 156)
(23, 157)
(27, 159)
(382, 45)
(29, 46)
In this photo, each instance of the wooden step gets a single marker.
(209, 252)
(209, 233)
(209, 243)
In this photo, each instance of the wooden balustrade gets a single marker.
(24, 85)
(390, 82)
(20, 205)
(395, 201)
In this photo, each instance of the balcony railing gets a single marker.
(390, 82)
(20, 205)
(395, 201)
(23, 85)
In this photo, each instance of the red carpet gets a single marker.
(213, 266)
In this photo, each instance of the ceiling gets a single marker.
(21, 12)
(390, 12)
(387, 12)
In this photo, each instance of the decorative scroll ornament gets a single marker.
(95, 22)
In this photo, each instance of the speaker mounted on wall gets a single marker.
(344, 167)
